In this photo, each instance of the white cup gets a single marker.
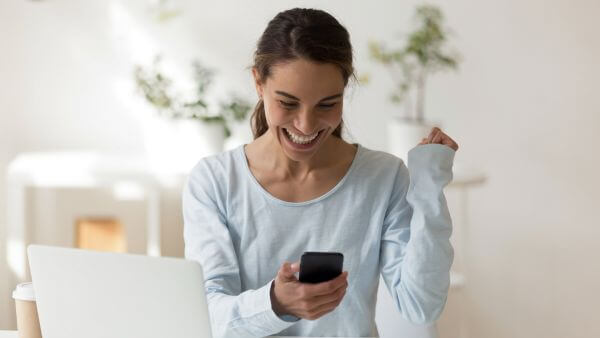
(28, 323)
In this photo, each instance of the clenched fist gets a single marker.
(437, 136)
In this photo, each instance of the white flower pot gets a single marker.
(405, 134)
(176, 145)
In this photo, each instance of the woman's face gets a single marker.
(303, 105)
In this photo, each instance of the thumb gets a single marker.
(295, 267)
(286, 272)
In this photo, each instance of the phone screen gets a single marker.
(317, 267)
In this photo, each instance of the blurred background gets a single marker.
(105, 105)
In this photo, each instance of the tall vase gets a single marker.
(405, 134)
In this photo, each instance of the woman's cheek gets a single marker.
(336, 117)
(277, 115)
(270, 113)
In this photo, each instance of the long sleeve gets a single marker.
(233, 313)
(416, 254)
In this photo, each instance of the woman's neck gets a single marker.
(269, 152)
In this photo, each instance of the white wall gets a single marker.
(525, 109)
(522, 107)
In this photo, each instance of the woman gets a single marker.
(300, 187)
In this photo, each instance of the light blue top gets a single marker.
(381, 218)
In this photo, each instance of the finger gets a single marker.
(438, 137)
(339, 293)
(433, 132)
(325, 288)
(295, 267)
(323, 309)
(328, 287)
(450, 142)
(285, 272)
(454, 146)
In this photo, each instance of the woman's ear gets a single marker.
(257, 82)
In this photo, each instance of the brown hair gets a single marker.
(301, 33)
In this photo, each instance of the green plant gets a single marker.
(158, 91)
(423, 54)
(164, 10)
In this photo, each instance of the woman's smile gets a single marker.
(301, 143)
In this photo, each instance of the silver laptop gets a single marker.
(81, 293)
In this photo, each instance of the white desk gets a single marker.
(13, 334)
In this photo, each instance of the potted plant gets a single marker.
(423, 54)
(185, 129)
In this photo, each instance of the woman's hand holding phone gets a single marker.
(309, 301)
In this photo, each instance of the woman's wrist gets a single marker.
(275, 305)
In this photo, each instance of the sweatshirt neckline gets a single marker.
(242, 154)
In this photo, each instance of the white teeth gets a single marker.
(301, 139)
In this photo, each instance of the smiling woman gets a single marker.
(302, 65)
(299, 186)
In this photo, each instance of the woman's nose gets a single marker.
(306, 122)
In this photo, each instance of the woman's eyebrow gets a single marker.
(297, 99)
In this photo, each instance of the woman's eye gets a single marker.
(287, 104)
(323, 105)
(291, 105)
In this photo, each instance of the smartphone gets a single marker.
(317, 267)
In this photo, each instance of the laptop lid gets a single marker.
(82, 293)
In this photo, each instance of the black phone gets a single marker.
(317, 267)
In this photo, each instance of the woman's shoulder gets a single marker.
(378, 159)
(377, 168)
(216, 165)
